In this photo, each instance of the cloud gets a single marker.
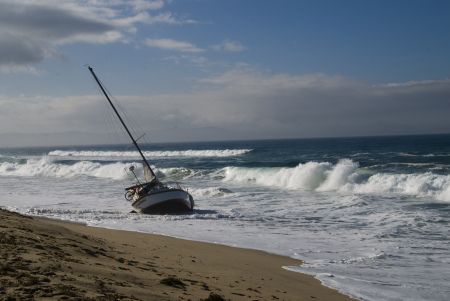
(32, 31)
(17, 53)
(313, 105)
(256, 105)
(44, 114)
(140, 5)
(169, 44)
(228, 45)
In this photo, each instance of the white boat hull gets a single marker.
(164, 200)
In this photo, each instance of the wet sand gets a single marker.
(42, 259)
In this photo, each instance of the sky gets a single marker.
(193, 70)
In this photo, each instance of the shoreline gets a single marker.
(48, 259)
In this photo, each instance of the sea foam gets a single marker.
(345, 177)
(46, 167)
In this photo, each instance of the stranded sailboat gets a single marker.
(152, 196)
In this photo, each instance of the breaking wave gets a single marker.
(46, 167)
(186, 153)
(344, 177)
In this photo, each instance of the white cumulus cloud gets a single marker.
(228, 45)
(170, 44)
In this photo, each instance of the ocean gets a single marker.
(369, 215)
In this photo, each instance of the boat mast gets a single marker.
(121, 120)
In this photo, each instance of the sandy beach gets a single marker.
(42, 259)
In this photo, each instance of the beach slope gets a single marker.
(42, 259)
